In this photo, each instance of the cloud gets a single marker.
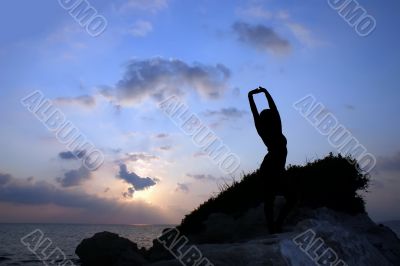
(226, 113)
(4, 179)
(89, 208)
(152, 6)
(134, 157)
(69, 155)
(303, 34)
(75, 177)
(236, 92)
(83, 100)
(129, 194)
(141, 28)
(157, 78)
(390, 163)
(350, 107)
(161, 136)
(182, 187)
(261, 37)
(255, 12)
(166, 148)
(199, 154)
(202, 177)
(138, 183)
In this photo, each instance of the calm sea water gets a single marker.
(66, 237)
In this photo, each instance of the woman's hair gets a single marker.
(268, 119)
(266, 115)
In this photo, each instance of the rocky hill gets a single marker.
(329, 226)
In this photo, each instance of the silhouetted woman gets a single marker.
(269, 127)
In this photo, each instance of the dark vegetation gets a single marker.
(333, 182)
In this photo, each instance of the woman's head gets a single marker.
(268, 119)
(266, 116)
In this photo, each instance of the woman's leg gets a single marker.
(290, 203)
(269, 201)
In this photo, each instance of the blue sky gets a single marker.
(209, 53)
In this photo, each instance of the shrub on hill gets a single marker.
(333, 182)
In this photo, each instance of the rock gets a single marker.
(109, 249)
(353, 239)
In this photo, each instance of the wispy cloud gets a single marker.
(134, 157)
(389, 163)
(226, 113)
(152, 6)
(261, 37)
(83, 100)
(141, 28)
(301, 32)
(5, 178)
(255, 11)
(199, 154)
(202, 177)
(182, 187)
(349, 107)
(161, 135)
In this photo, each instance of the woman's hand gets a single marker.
(261, 89)
(255, 91)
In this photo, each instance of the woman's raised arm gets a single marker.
(253, 106)
(272, 107)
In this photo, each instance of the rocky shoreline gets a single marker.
(312, 237)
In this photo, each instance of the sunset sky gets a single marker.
(208, 54)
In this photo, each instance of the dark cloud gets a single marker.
(129, 194)
(161, 136)
(182, 187)
(261, 37)
(202, 177)
(83, 100)
(69, 155)
(236, 92)
(158, 77)
(4, 178)
(226, 113)
(391, 163)
(75, 177)
(91, 207)
(138, 183)
(350, 107)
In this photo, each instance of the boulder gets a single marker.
(109, 249)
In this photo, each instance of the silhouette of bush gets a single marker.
(332, 182)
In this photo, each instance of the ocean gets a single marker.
(66, 237)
